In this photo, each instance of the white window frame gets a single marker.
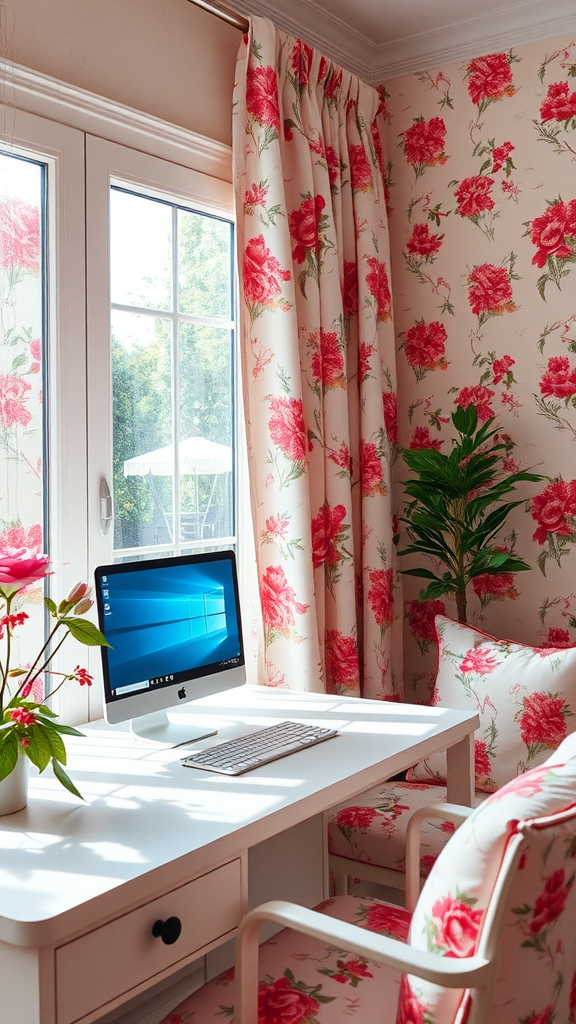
(62, 149)
(47, 117)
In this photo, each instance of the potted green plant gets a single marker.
(459, 502)
(29, 729)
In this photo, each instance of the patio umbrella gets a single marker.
(197, 456)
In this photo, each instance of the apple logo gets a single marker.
(182, 693)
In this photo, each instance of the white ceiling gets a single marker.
(379, 39)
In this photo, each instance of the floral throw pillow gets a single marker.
(536, 978)
(525, 697)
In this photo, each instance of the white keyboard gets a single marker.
(246, 752)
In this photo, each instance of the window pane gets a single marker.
(22, 361)
(142, 429)
(205, 433)
(204, 265)
(140, 251)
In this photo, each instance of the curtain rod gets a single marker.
(224, 13)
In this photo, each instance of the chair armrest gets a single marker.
(455, 813)
(451, 972)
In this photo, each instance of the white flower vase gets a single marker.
(14, 788)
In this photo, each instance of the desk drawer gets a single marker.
(109, 961)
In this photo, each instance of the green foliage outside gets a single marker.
(142, 380)
(458, 506)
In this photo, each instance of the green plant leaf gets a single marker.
(435, 590)
(57, 748)
(9, 748)
(38, 750)
(65, 779)
(85, 632)
(50, 604)
(425, 574)
(65, 730)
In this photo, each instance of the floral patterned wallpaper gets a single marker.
(482, 182)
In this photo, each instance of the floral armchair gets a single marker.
(491, 937)
(525, 698)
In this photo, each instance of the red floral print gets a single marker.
(13, 395)
(480, 660)
(341, 653)
(500, 367)
(554, 510)
(482, 766)
(551, 901)
(22, 537)
(19, 235)
(422, 243)
(254, 196)
(544, 1017)
(380, 596)
(410, 1009)
(384, 918)
(279, 1003)
(262, 274)
(496, 586)
(286, 427)
(489, 78)
(350, 288)
(424, 142)
(278, 599)
(365, 354)
(473, 196)
(526, 785)
(331, 75)
(421, 438)
(542, 720)
(550, 231)
(326, 527)
(377, 281)
(262, 96)
(360, 170)
(341, 457)
(559, 380)
(558, 639)
(371, 470)
(489, 290)
(390, 403)
(356, 817)
(478, 396)
(500, 155)
(559, 104)
(333, 164)
(277, 526)
(421, 615)
(328, 362)
(425, 345)
(457, 926)
(304, 227)
(301, 61)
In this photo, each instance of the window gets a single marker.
(120, 317)
(172, 343)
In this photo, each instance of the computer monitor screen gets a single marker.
(174, 629)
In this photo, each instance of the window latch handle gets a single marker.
(106, 511)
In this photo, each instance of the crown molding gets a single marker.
(513, 25)
(27, 90)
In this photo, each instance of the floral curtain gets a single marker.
(318, 363)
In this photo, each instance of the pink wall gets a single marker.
(165, 57)
(484, 276)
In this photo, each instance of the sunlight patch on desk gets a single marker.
(223, 805)
(386, 728)
(115, 852)
(45, 898)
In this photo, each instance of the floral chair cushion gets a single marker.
(538, 951)
(373, 829)
(525, 697)
(304, 981)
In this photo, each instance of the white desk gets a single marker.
(82, 884)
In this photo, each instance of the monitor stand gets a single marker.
(157, 728)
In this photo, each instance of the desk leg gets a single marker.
(460, 774)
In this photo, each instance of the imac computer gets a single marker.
(173, 625)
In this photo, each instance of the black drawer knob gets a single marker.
(168, 930)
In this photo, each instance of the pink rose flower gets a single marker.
(457, 926)
(559, 103)
(21, 568)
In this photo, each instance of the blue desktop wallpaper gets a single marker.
(169, 620)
